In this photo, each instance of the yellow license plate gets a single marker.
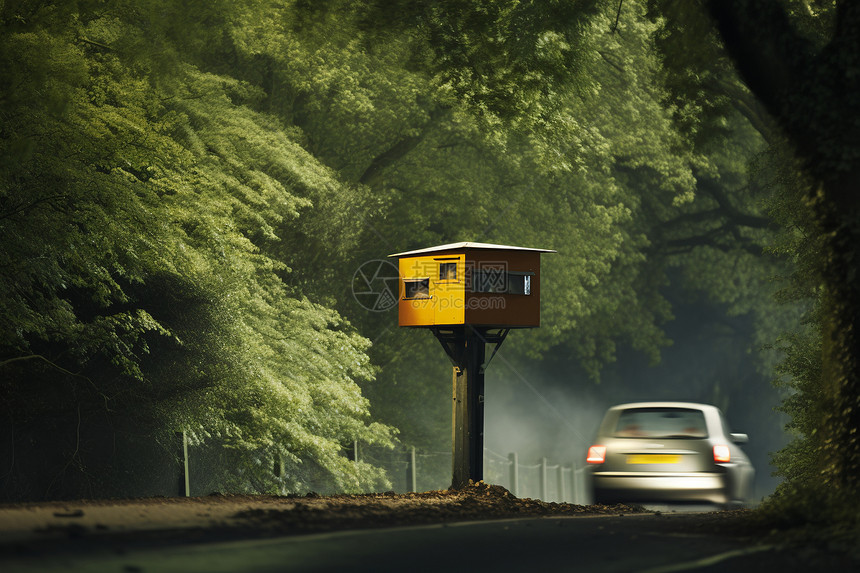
(654, 459)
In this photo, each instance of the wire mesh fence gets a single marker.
(544, 479)
(412, 469)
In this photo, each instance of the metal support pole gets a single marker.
(515, 474)
(465, 346)
(355, 451)
(456, 373)
(469, 412)
(573, 483)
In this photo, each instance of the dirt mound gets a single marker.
(221, 516)
(475, 501)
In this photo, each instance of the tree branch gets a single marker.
(42, 358)
(729, 210)
(695, 217)
(617, 16)
(748, 106)
(373, 174)
(96, 44)
(687, 244)
(771, 57)
(610, 62)
(726, 236)
(28, 206)
(724, 211)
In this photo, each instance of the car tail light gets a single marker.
(721, 454)
(596, 454)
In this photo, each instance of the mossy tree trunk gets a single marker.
(840, 427)
(812, 92)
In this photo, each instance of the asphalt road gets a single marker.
(631, 543)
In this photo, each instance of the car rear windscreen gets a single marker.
(661, 423)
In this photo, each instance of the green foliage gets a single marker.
(185, 194)
(804, 513)
(505, 60)
(141, 199)
(612, 183)
(800, 371)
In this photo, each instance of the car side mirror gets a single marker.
(739, 438)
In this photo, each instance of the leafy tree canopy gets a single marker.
(187, 192)
(141, 196)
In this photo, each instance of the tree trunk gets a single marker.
(812, 94)
(840, 428)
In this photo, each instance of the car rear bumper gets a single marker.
(645, 486)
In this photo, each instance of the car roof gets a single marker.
(690, 405)
(712, 413)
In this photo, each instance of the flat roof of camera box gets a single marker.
(468, 245)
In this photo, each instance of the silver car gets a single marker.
(669, 452)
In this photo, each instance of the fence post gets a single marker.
(514, 481)
(183, 484)
(543, 479)
(412, 471)
(560, 479)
